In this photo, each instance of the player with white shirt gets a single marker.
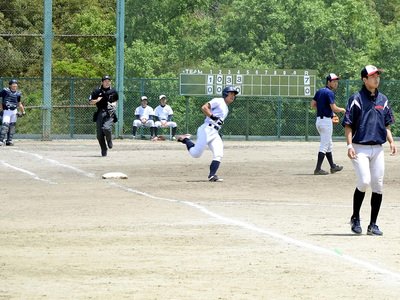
(216, 112)
(144, 117)
(163, 114)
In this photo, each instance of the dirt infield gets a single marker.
(271, 230)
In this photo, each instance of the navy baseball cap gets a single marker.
(369, 70)
(105, 77)
(12, 81)
(332, 76)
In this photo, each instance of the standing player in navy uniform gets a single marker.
(324, 103)
(9, 107)
(216, 112)
(367, 126)
(105, 97)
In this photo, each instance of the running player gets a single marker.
(9, 106)
(105, 97)
(367, 126)
(216, 112)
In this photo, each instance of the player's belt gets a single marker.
(215, 127)
(321, 117)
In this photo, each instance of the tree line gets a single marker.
(162, 36)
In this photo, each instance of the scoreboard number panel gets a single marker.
(256, 83)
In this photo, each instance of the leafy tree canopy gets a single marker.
(338, 36)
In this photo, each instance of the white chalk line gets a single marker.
(33, 175)
(57, 163)
(254, 228)
(286, 204)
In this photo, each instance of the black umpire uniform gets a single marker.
(105, 97)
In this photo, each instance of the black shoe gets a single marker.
(320, 172)
(355, 225)
(182, 138)
(104, 152)
(9, 143)
(215, 178)
(336, 168)
(373, 229)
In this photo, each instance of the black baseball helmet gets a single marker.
(12, 81)
(105, 77)
(228, 89)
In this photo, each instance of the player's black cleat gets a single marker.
(215, 178)
(336, 168)
(355, 225)
(182, 138)
(373, 229)
(320, 172)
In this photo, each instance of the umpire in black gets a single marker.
(105, 97)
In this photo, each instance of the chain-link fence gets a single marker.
(250, 118)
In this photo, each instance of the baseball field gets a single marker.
(271, 230)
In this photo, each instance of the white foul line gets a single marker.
(284, 238)
(27, 172)
(87, 174)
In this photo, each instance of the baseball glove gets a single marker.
(161, 138)
(20, 114)
(335, 119)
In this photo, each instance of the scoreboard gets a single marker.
(262, 82)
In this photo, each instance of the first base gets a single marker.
(117, 175)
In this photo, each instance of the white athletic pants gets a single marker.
(10, 116)
(370, 167)
(207, 135)
(325, 129)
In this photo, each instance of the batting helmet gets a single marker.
(228, 89)
(12, 81)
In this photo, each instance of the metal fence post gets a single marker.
(72, 117)
(279, 117)
(307, 120)
(247, 118)
(48, 36)
(187, 114)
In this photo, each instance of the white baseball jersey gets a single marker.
(218, 109)
(144, 112)
(163, 112)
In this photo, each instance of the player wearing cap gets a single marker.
(367, 126)
(163, 114)
(105, 97)
(144, 117)
(324, 103)
(9, 107)
(216, 112)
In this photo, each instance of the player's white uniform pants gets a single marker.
(325, 129)
(138, 123)
(208, 135)
(370, 167)
(10, 116)
(169, 124)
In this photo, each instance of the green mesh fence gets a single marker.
(249, 118)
